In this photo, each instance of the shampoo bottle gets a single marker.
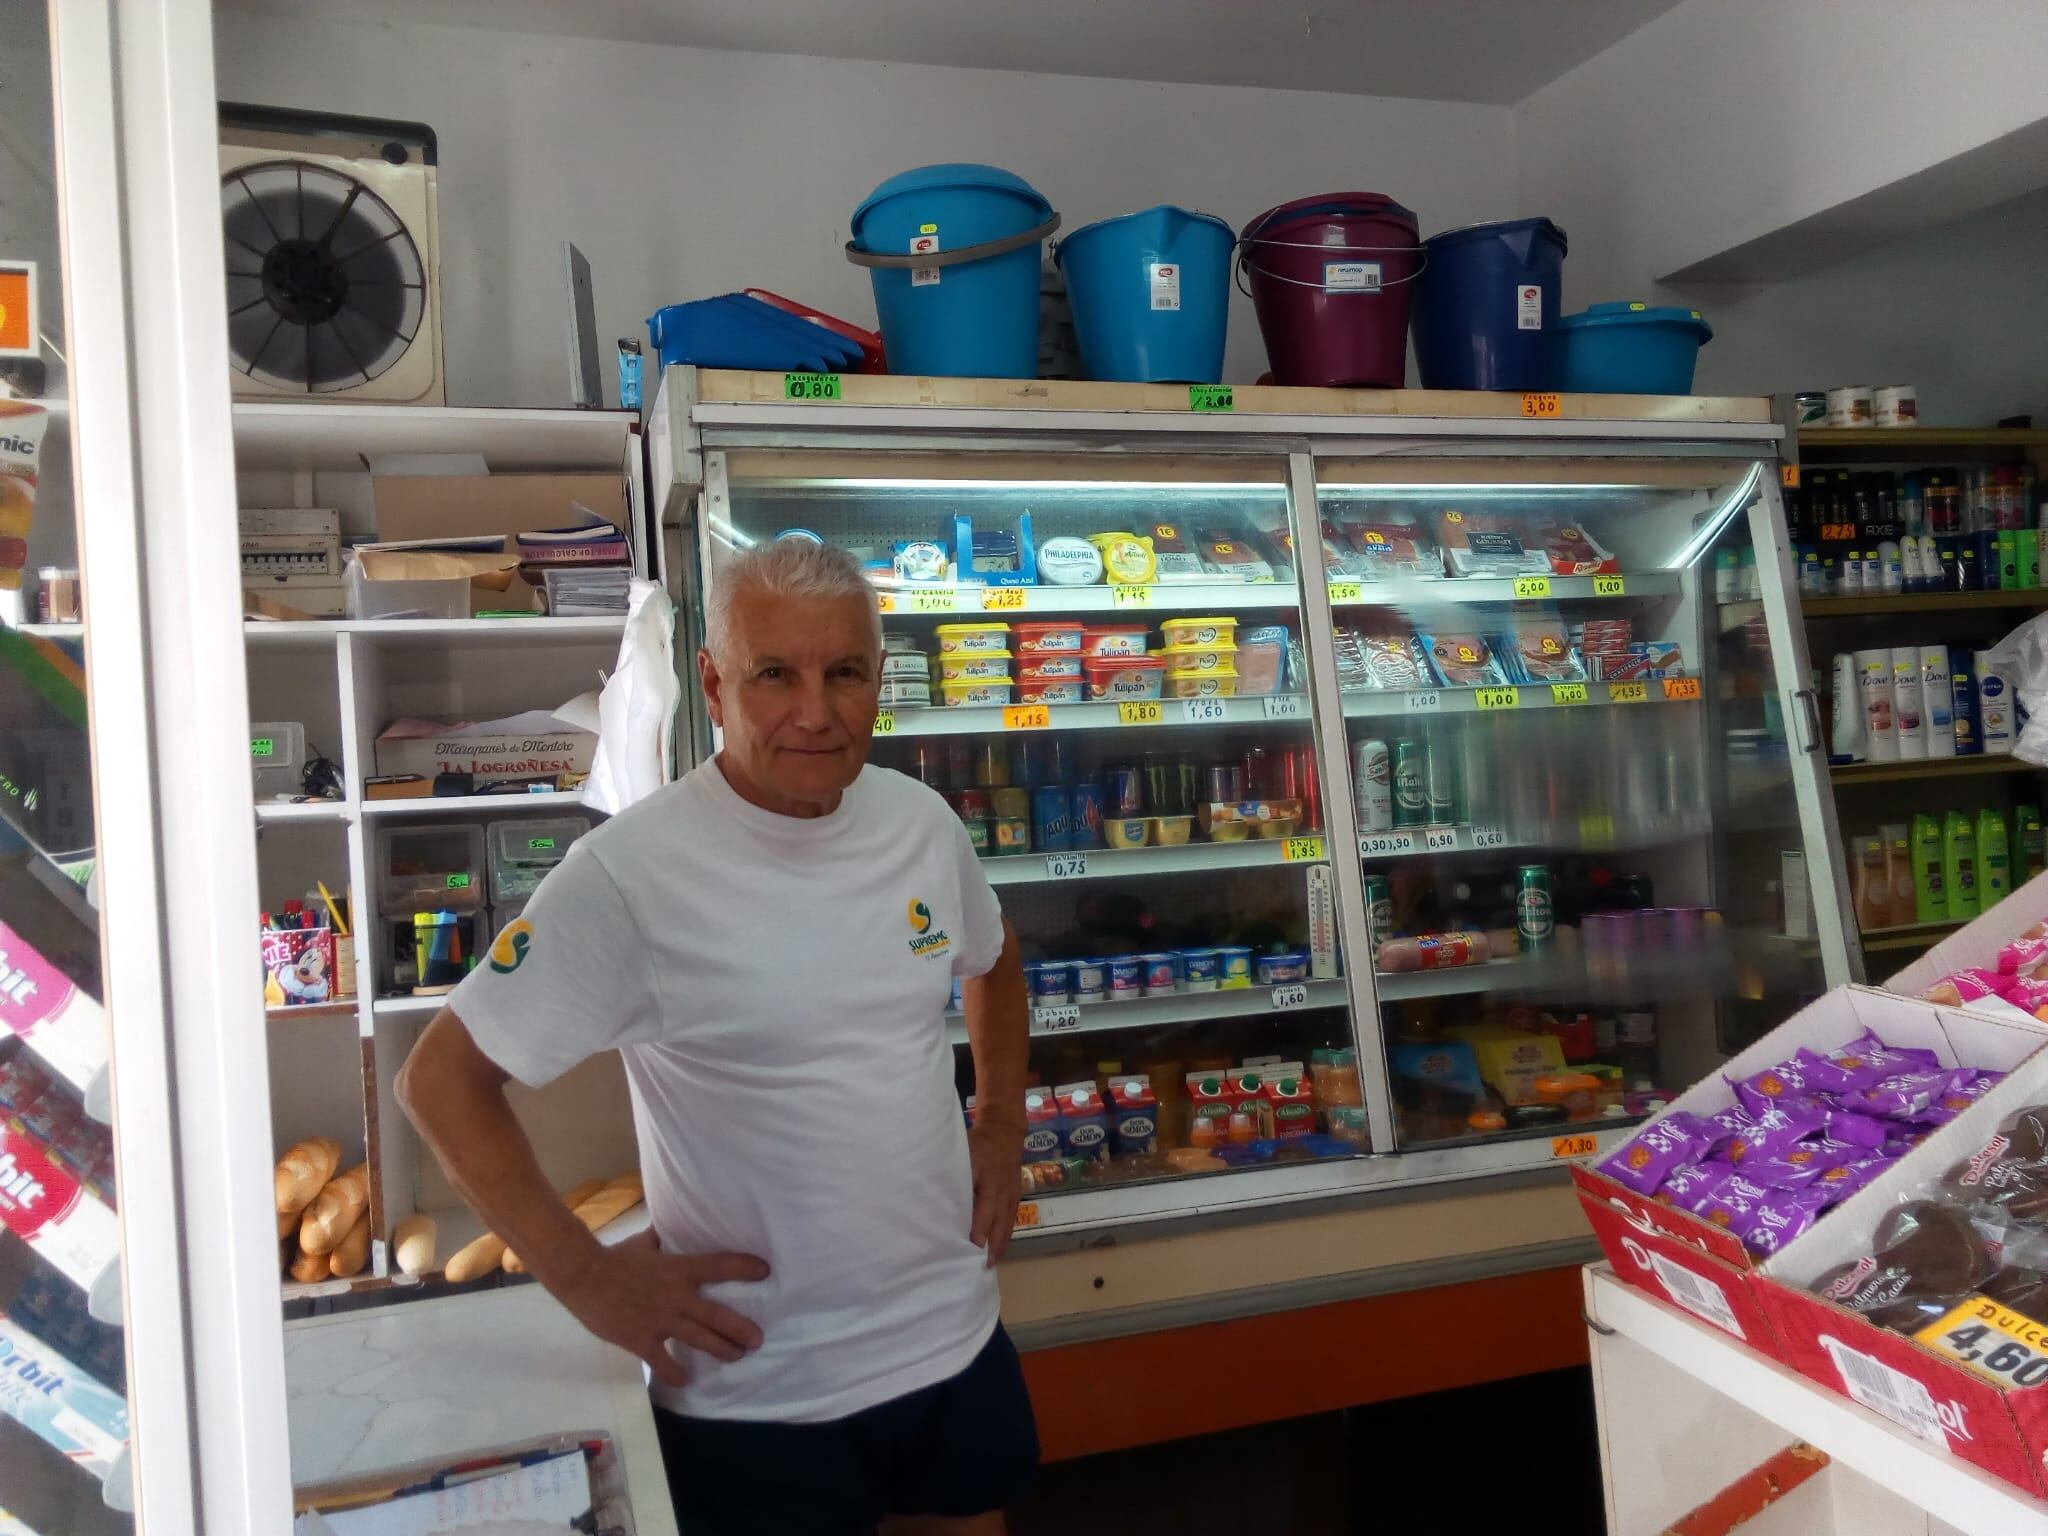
(2030, 846)
(1930, 898)
(1994, 858)
(1959, 867)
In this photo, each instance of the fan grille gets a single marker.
(326, 289)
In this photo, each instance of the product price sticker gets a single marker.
(1298, 849)
(1495, 698)
(933, 602)
(1788, 476)
(1488, 837)
(1285, 706)
(1001, 599)
(1627, 693)
(1542, 405)
(1130, 594)
(1580, 1144)
(460, 882)
(885, 722)
(1211, 397)
(1026, 717)
(1837, 533)
(1609, 586)
(1424, 701)
(885, 602)
(1532, 586)
(1140, 712)
(1027, 1213)
(1679, 689)
(1202, 711)
(1292, 994)
(1567, 693)
(810, 386)
(1382, 845)
(1347, 592)
(1441, 839)
(1065, 866)
(1053, 1021)
(1991, 1340)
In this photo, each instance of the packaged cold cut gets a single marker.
(1434, 952)
(1487, 544)
(1174, 554)
(1463, 660)
(1387, 662)
(1232, 558)
(1539, 650)
(1392, 545)
(1572, 551)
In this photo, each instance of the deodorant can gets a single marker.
(1908, 717)
(1937, 707)
(1995, 724)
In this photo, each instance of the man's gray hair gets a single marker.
(789, 569)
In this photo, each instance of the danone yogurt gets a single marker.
(1127, 977)
(1202, 968)
(1274, 969)
(1052, 983)
(982, 638)
(1091, 980)
(1122, 678)
(1161, 973)
(1235, 965)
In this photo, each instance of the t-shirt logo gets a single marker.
(925, 939)
(509, 948)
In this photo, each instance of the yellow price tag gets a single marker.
(1567, 693)
(885, 722)
(1627, 693)
(1346, 592)
(1991, 1340)
(934, 602)
(1788, 476)
(1298, 848)
(886, 601)
(1140, 712)
(1130, 594)
(1454, 516)
(1027, 1213)
(1542, 405)
(1607, 586)
(1026, 717)
(1680, 689)
(996, 599)
(1496, 698)
(1532, 586)
(1584, 1144)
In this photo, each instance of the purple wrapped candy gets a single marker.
(1844, 1179)
(1643, 1161)
(1864, 1063)
(1762, 1090)
(1800, 1164)
(1776, 1129)
(1733, 1203)
(1862, 1130)
(1966, 1085)
(1690, 1184)
(1779, 1217)
(1903, 1140)
(1902, 1096)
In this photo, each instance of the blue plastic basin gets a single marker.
(1631, 349)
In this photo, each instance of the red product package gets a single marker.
(1289, 1101)
(1573, 552)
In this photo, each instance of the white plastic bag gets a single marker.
(637, 710)
(2022, 657)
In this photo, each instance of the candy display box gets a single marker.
(1680, 1258)
(1989, 1420)
(1976, 945)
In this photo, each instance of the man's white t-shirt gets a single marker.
(777, 988)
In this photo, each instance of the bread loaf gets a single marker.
(572, 1197)
(475, 1259)
(600, 1205)
(303, 1172)
(353, 1251)
(308, 1267)
(412, 1245)
(334, 1210)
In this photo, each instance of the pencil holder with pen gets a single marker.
(300, 966)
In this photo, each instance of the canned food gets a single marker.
(1051, 818)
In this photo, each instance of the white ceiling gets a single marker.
(1450, 50)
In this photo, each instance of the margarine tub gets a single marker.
(1053, 691)
(987, 665)
(979, 638)
(1054, 637)
(973, 692)
(1124, 677)
(1199, 632)
(1047, 669)
(894, 642)
(1219, 684)
(905, 664)
(1198, 658)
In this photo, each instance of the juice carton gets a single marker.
(1041, 1126)
(1133, 1115)
(1084, 1123)
(1245, 1092)
(1290, 1101)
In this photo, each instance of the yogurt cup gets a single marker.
(1234, 966)
(1161, 973)
(973, 693)
(1202, 969)
(955, 639)
(1090, 976)
(1055, 637)
(1127, 978)
(1051, 982)
(1275, 969)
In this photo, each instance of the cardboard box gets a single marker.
(1978, 942)
(450, 506)
(1928, 1393)
(521, 747)
(1678, 1257)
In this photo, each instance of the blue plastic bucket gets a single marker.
(952, 251)
(1151, 295)
(1631, 349)
(1486, 307)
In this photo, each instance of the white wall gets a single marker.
(684, 173)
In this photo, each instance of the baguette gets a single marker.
(303, 1172)
(353, 1252)
(597, 1196)
(308, 1267)
(488, 1251)
(412, 1245)
(334, 1210)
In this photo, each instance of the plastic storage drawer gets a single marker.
(522, 852)
(430, 869)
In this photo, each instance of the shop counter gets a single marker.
(392, 1387)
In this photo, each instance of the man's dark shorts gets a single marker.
(963, 1447)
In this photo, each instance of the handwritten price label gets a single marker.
(1627, 693)
(1202, 711)
(1567, 693)
(1130, 594)
(1584, 1144)
(1053, 1021)
(1347, 592)
(1026, 717)
(1788, 476)
(1495, 698)
(933, 602)
(1488, 837)
(1680, 689)
(1542, 405)
(1609, 586)
(1027, 1213)
(1532, 586)
(1299, 848)
(1425, 701)
(999, 599)
(1380, 845)
(1066, 866)
(1211, 397)
(1292, 994)
(810, 386)
(885, 722)
(1441, 839)
(1285, 706)
(1140, 712)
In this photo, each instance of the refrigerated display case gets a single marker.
(1437, 758)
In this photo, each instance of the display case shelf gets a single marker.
(1475, 701)
(476, 805)
(408, 1007)
(1251, 1002)
(974, 600)
(1906, 936)
(1461, 591)
(300, 813)
(1817, 607)
(1124, 863)
(519, 631)
(1174, 713)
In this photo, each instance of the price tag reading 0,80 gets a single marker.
(810, 386)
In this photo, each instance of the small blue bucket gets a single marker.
(1631, 349)
(1151, 295)
(1486, 307)
(952, 251)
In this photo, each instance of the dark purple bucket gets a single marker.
(1330, 278)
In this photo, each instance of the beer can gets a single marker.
(1440, 783)
(1051, 810)
(1411, 791)
(1379, 911)
(1372, 780)
(1535, 915)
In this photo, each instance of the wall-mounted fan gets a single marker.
(333, 266)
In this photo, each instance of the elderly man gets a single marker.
(770, 944)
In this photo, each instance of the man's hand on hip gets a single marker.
(994, 1147)
(637, 1297)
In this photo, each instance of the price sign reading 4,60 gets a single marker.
(1065, 866)
(1202, 711)
(1293, 994)
(1051, 1021)
(810, 386)
(1991, 1340)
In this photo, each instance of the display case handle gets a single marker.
(1808, 711)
